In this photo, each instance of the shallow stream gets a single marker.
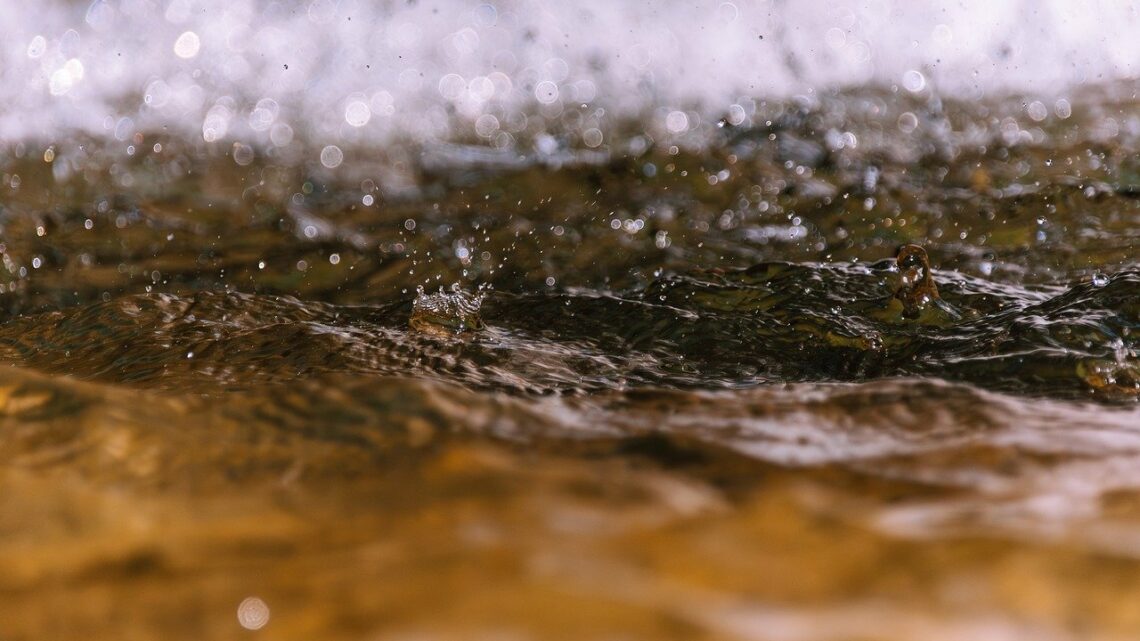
(692, 405)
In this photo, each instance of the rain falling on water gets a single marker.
(526, 320)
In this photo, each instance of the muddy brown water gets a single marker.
(695, 409)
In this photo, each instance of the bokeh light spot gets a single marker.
(187, 45)
(677, 122)
(332, 156)
(357, 113)
(546, 92)
(253, 613)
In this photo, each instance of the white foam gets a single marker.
(356, 72)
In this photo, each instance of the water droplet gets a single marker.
(332, 156)
(907, 122)
(486, 125)
(486, 15)
(357, 113)
(914, 81)
(736, 114)
(242, 153)
(281, 134)
(546, 92)
(452, 86)
(63, 79)
(677, 121)
(37, 47)
(263, 115)
(942, 34)
(728, 12)
(835, 38)
(1062, 108)
(100, 15)
(253, 613)
(187, 45)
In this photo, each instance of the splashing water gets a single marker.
(317, 79)
(753, 357)
(456, 311)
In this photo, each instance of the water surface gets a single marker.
(693, 406)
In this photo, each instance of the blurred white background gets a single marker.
(353, 72)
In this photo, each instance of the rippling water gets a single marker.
(688, 405)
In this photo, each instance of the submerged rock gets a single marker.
(1116, 377)
(450, 312)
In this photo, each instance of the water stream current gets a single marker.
(679, 392)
